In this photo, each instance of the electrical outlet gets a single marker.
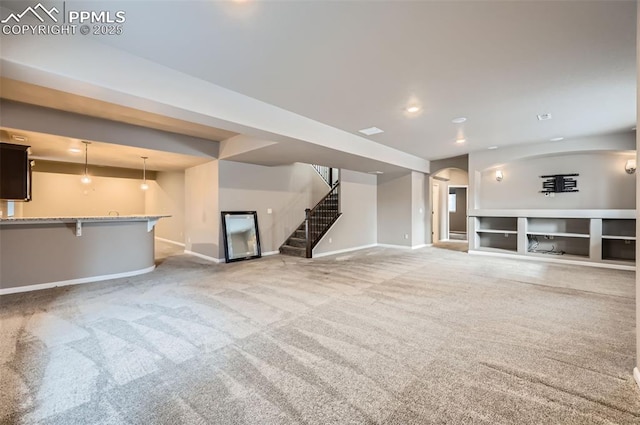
(406, 236)
(553, 195)
(551, 237)
(506, 235)
(269, 211)
(330, 240)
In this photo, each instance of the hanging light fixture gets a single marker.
(144, 185)
(85, 177)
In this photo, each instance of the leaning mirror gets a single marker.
(241, 237)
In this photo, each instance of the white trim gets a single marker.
(424, 245)
(169, 241)
(39, 286)
(340, 251)
(204, 257)
(554, 260)
(264, 254)
(636, 375)
(384, 245)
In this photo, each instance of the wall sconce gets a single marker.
(630, 166)
(85, 177)
(144, 185)
(499, 175)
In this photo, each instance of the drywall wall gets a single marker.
(202, 215)
(482, 165)
(51, 252)
(286, 190)
(394, 209)
(461, 162)
(63, 195)
(421, 223)
(357, 227)
(458, 219)
(602, 182)
(166, 195)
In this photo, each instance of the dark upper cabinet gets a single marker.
(15, 172)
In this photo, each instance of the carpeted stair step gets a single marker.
(297, 242)
(293, 250)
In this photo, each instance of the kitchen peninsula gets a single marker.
(45, 252)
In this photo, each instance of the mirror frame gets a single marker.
(224, 215)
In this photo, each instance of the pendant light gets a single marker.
(85, 177)
(144, 185)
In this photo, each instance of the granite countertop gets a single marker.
(72, 219)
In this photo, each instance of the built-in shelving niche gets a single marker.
(619, 240)
(610, 241)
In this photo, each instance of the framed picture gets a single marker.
(241, 236)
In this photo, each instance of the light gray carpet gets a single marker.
(383, 336)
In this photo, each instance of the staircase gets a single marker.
(318, 220)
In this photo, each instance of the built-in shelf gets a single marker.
(562, 235)
(621, 238)
(506, 232)
(604, 238)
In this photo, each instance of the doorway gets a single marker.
(457, 207)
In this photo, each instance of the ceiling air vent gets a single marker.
(544, 117)
(371, 131)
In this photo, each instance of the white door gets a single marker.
(435, 213)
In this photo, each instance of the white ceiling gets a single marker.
(353, 65)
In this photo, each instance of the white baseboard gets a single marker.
(264, 254)
(636, 375)
(554, 260)
(204, 257)
(340, 251)
(170, 241)
(424, 245)
(384, 245)
(48, 285)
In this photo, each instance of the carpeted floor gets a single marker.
(382, 336)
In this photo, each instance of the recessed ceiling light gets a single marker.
(556, 139)
(375, 172)
(75, 150)
(544, 117)
(459, 120)
(492, 148)
(413, 109)
(18, 138)
(371, 131)
(461, 140)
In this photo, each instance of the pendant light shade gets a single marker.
(144, 185)
(85, 177)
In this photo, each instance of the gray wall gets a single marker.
(394, 209)
(420, 217)
(523, 164)
(166, 195)
(202, 215)
(357, 227)
(286, 190)
(44, 253)
(458, 219)
(603, 182)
